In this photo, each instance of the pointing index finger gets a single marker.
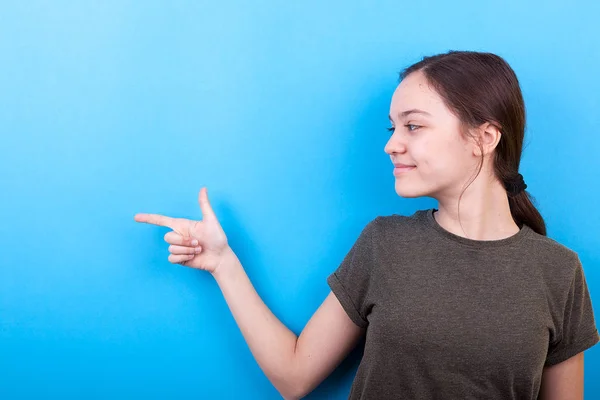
(156, 219)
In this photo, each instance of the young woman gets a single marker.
(467, 301)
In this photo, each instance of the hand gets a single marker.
(197, 244)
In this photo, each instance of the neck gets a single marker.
(484, 212)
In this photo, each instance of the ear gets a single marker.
(487, 137)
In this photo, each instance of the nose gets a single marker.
(395, 145)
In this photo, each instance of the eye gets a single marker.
(392, 129)
(412, 127)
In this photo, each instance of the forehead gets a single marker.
(414, 92)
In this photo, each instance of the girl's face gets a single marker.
(431, 155)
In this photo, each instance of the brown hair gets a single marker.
(479, 88)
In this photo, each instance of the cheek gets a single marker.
(431, 155)
(443, 158)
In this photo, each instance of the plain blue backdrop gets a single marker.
(110, 108)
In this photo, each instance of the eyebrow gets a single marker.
(408, 112)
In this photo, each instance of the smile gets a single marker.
(403, 170)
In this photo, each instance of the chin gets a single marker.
(408, 195)
(410, 191)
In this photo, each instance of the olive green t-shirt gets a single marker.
(448, 317)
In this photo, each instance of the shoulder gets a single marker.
(550, 249)
(559, 264)
(399, 223)
(389, 231)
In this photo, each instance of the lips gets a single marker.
(400, 168)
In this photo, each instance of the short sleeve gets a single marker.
(351, 282)
(577, 331)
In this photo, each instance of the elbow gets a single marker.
(292, 389)
(290, 396)
(294, 386)
(293, 393)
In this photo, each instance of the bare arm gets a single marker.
(295, 365)
(563, 381)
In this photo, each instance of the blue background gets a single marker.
(109, 108)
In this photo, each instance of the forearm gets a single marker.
(270, 341)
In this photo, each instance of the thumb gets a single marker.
(207, 211)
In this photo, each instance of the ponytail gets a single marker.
(521, 205)
(524, 212)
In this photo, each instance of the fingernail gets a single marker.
(194, 242)
(197, 249)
